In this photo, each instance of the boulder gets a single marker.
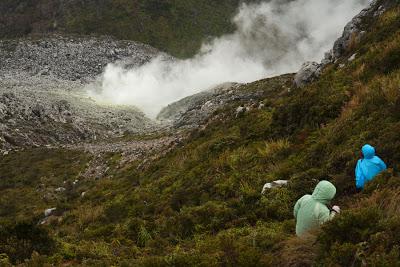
(309, 72)
(49, 212)
(241, 110)
(274, 184)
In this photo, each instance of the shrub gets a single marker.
(298, 252)
(352, 227)
(20, 240)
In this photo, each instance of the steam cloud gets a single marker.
(272, 38)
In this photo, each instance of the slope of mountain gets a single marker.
(175, 26)
(43, 84)
(196, 201)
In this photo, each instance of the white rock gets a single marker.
(352, 57)
(49, 212)
(60, 189)
(240, 110)
(274, 184)
(308, 72)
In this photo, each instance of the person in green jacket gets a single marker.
(311, 211)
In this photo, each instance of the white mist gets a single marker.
(272, 38)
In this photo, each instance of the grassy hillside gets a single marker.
(200, 205)
(176, 26)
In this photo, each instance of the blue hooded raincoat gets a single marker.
(368, 167)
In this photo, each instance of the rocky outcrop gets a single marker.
(197, 110)
(355, 30)
(352, 34)
(308, 73)
(194, 110)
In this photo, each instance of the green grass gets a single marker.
(28, 179)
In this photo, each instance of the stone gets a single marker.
(49, 212)
(60, 189)
(309, 72)
(352, 57)
(240, 110)
(274, 184)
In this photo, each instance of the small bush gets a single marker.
(19, 241)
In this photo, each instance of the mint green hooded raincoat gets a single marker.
(311, 211)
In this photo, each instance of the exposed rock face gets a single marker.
(197, 110)
(352, 34)
(40, 118)
(71, 58)
(42, 91)
(309, 71)
(192, 111)
(355, 30)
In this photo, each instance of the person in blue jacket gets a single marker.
(368, 166)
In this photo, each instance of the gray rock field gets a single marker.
(43, 100)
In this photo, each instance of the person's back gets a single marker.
(368, 167)
(311, 211)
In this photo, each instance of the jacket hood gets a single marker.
(324, 192)
(368, 151)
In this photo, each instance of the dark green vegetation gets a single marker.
(25, 175)
(175, 26)
(200, 205)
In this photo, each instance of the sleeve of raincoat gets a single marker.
(360, 178)
(324, 215)
(382, 164)
(298, 205)
(296, 208)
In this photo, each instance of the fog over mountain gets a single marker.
(271, 38)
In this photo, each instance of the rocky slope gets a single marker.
(42, 88)
(178, 27)
(68, 58)
(194, 111)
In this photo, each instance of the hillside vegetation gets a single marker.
(201, 203)
(175, 26)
